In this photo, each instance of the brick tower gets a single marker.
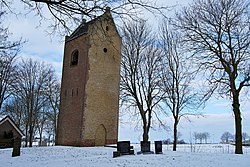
(90, 85)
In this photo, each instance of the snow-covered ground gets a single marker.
(58, 156)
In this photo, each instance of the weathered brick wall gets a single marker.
(90, 90)
(73, 93)
(102, 88)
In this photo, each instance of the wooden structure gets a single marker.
(8, 132)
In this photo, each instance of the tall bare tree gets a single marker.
(42, 117)
(226, 137)
(14, 107)
(218, 32)
(181, 98)
(140, 73)
(35, 99)
(206, 136)
(8, 53)
(245, 136)
(30, 89)
(7, 75)
(52, 93)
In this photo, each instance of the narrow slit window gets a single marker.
(74, 57)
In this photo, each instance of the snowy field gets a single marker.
(58, 156)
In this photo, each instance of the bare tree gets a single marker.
(7, 76)
(196, 136)
(140, 73)
(34, 101)
(217, 32)
(201, 136)
(245, 137)
(206, 136)
(226, 137)
(177, 76)
(30, 89)
(52, 93)
(66, 13)
(14, 107)
(41, 120)
(8, 53)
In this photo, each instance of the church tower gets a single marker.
(89, 104)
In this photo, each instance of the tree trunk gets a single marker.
(238, 126)
(40, 140)
(30, 129)
(1, 101)
(145, 133)
(55, 125)
(30, 136)
(40, 129)
(145, 123)
(26, 135)
(175, 135)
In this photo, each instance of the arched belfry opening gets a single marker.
(74, 57)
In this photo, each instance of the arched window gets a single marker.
(74, 58)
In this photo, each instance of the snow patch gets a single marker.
(59, 156)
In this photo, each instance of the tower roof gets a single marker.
(83, 28)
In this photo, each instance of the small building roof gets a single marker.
(2, 116)
(8, 118)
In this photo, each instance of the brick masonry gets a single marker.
(90, 90)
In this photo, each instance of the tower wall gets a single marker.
(102, 89)
(90, 90)
(74, 79)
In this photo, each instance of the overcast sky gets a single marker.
(218, 112)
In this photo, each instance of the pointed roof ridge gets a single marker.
(83, 27)
(8, 118)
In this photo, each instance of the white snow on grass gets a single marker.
(59, 156)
